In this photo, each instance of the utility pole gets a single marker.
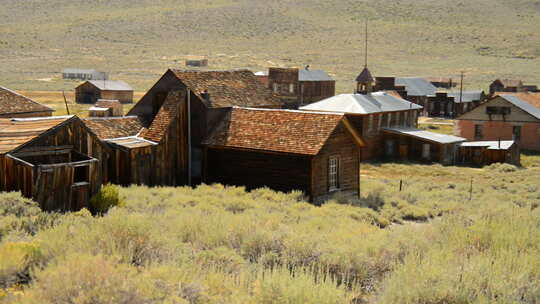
(65, 102)
(366, 44)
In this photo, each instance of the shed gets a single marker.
(15, 105)
(92, 90)
(285, 150)
(106, 108)
(56, 161)
(483, 153)
(416, 144)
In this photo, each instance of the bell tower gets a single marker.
(364, 80)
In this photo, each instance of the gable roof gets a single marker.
(228, 88)
(416, 86)
(159, 126)
(110, 85)
(14, 103)
(114, 127)
(509, 82)
(376, 102)
(528, 102)
(467, 96)
(313, 75)
(364, 76)
(286, 131)
(16, 132)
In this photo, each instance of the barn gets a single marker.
(15, 105)
(92, 90)
(56, 161)
(285, 150)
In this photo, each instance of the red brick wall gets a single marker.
(493, 130)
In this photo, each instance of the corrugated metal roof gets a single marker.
(416, 86)
(491, 145)
(467, 96)
(18, 131)
(525, 106)
(313, 75)
(426, 135)
(362, 104)
(111, 85)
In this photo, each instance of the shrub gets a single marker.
(107, 198)
(16, 261)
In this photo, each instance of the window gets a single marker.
(516, 132)
(81, 174)
(406, 119)
(333, 173)
(291, 88)
(370, 123)
(478, 132)
(425, 150)
(389, 121)
(275, 87)
(379, 122)
(498, 110)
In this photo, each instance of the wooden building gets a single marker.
(506, 85)
(442, 82)
(508, 116)
(183, 106)
(93, 90)
(298, 87)
(203, 62)
(56, 161)
(84, 74)
(317, 153)
(414, 89)
(482, 153)
(15, 105)
(369, 114)
(453, 104)
(106, 108)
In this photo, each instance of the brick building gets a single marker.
(507, 116)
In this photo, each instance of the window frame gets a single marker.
(334, 165)
(478, 131)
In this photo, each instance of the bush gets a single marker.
(107, 198)
(16, 261)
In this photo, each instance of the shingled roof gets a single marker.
(286, 131)
(365, 76)
(164, 117)
(228, 88)
(114, 127)
(15, 103)
(16, 132)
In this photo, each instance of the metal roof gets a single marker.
(313, 75)
(416, 86)
(426, 135)
(525, 106)
(491, 145)
(131, 142)
(111, 85)
(261, 73)
(376, 102)
(467, 96)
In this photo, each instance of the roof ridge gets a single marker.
(287, 110)
(41, 118)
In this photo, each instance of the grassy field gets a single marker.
(55, 100)
(137, 40)
(436, 241)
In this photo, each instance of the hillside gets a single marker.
(136, 40)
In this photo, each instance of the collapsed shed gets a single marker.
(56, 161)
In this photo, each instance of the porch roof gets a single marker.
(425, 135)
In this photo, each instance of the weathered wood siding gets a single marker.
(342, 145)
(252, 169)
(88, 93)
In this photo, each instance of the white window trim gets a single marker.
(333, 173)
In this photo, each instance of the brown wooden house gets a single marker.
(317, 153)
(183, 106)
(506, 85)
(15, 105)
(453, 104)
(414, 89)
(481, 153)
(92, 90)
(56, 161)
(298, 87)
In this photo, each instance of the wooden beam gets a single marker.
(357, 138)
(20, 160)
(40, 153)
(72, 164)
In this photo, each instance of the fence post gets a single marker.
(470, 190)
(400, 184)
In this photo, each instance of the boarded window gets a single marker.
(478, 132)
(516, 132)
(333, 173)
